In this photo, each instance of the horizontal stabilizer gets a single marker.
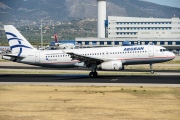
(11, 55)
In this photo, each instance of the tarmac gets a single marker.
(82, 79)
(162, 78)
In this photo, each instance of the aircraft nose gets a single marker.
(173, 55)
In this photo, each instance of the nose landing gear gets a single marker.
(151, 66)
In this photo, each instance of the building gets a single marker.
(137, 30)
(146, 28)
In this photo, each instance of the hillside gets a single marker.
(12, 11)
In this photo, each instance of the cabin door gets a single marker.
(151, 51)
(37, 57)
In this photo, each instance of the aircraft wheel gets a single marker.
(152, 72)
(122, 67)
(95, 74)
(91, 74)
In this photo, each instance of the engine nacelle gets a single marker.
(111, 65)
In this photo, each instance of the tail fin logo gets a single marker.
(55, 37)
(19, 45)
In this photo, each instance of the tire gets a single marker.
(95, 74)
(152, 72)
(91, 74)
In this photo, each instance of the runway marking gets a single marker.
(114, 80)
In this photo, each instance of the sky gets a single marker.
(172, 3)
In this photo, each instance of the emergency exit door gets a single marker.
(37, 57)
(151, 51)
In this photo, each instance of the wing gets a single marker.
(87, 59)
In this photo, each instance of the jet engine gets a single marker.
(111, 65)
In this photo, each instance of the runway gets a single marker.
(163, 78)
(103, 80)
(20, 66)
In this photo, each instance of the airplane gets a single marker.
(4, 49)
(106, 58)
(65, 46)
(62, 45)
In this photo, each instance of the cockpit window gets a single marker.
(163, 50)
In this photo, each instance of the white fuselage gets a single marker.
(128, 55)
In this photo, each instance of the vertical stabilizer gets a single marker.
(16, 41)
(55, 37)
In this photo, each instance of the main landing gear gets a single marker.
(122, 67)
(151, 66)
(93, 72)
